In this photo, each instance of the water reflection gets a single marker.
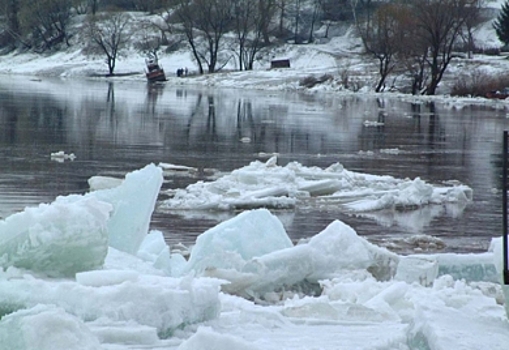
(116, 127)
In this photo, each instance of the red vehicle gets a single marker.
(155, 71)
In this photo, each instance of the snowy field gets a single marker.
(86, 272)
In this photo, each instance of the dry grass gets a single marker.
(311, 81)
(479, 83)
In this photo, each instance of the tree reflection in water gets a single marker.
(115, 127)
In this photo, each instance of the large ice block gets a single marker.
(57, 239)
(233, 242)
(133, 203)
(163, 303)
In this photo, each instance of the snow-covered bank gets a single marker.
(335, 291)
(341, 58)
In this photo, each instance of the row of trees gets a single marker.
(45, 24)
(252, 23)
(420, 37)
(34, 24)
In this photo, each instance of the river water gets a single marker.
(117, 127)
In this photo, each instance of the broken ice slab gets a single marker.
(420, 269)
(424, 268)
(470, 267)
(496, 247)
(163, 303)
(321, 188)
(232, 243)
(45, 327)
(133, 202)
(57, 239)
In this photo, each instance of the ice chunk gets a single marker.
(124, 333)
(420, 269)
(58, 239)
(133, 202)
(99, 278)
(175, 167)
(339, 247)
(155, 250)
(385, 301)
(322, 187)
(45, 327)
(451, 319)
(496, 247)
(269, 185)
(326, 255)
(177, 264)
(163, 303)
(206, 338)
(469, 267)
(233, 242)
(72, 233)
(61, 156)
(103, 182)
(118, 260)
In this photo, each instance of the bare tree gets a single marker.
(314, 18)
(249, 22)
(214, 21)
(282, 6)
(297, 15)
(185, 17)
(474, 19)
(267, 10)
(381, 35)
(94, 6)
(440, 23)
(204, 23)
(42, 24)
(151, 41)
(336, 10)
(9, 10)
(109, 35)
(244, 13)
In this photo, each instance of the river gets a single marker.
(116, 127)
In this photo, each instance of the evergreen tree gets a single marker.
(501, 24)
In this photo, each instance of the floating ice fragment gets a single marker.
(390, 151)
(61, 156)
(267, 155)
(96, 183)
(174, 167)
(369, 123)
(269, 185)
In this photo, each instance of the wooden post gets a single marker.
(505, 253)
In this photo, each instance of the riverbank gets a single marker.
(335, 66)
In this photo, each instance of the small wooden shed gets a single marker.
(280, 63)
